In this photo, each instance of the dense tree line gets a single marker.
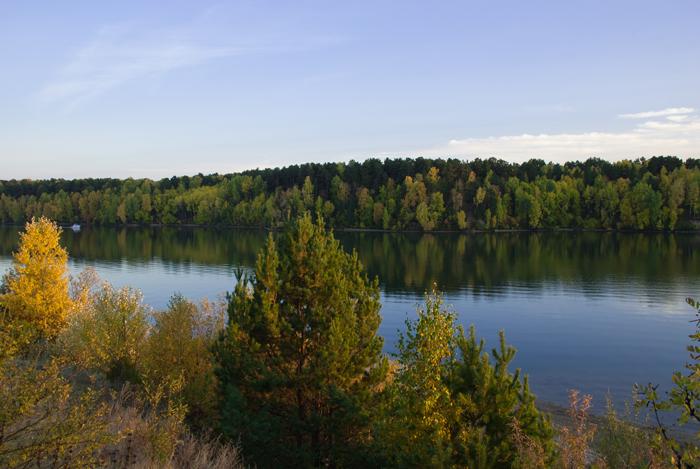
(394, 194)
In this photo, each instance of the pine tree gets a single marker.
(451, 404)
(492, 400)
(35, 290)
(300, 358)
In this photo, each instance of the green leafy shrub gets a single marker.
(178, 347)
(108, 334)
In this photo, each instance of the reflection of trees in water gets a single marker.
(9, 239)
(482, 263)
(173, 245)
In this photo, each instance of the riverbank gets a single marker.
(560, 417)
(378, 230)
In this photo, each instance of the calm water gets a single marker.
(592, 311)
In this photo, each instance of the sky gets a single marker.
(162, 88)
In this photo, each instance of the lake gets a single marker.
(592, 311)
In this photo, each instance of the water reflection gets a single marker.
(487, 263)
(483, 264)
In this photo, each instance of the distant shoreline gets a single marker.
(380, 230)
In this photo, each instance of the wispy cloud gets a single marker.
(122, 53)
(671, 111)
(119, 54)
(679, 137)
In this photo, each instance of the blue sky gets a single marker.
(154, 89)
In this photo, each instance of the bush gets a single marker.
(178, 347)
(45, 420)
(109, 334)
(628, 442)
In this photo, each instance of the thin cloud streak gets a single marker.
(671, 111)
(114, 58)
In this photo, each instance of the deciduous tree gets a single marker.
(36, 286)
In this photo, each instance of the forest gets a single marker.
(659, 193)
(289, 371)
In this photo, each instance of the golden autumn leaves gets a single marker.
(37, 284)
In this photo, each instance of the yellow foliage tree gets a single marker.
(418, 425)
(36, 286)
(433, 175)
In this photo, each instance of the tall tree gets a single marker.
(35, 289)
(300, 356)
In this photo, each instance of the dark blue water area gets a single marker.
(598, 344)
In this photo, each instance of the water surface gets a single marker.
(592, 311)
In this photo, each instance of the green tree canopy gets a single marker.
(426, 194)
(300, 356)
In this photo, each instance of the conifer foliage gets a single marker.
(300, 358)
(492, 401)
(451, 404)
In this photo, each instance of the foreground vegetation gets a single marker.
(398, 194)
(288, 371)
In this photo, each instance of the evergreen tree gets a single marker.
(645, 194)
(492, 400)
(451, 404)
(300, 358)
